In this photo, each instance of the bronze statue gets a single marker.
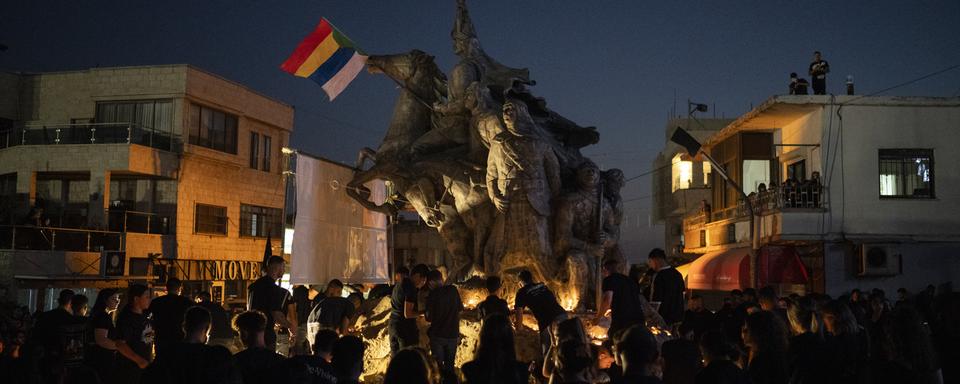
(584, 231)
(483, 160)
(523, 175)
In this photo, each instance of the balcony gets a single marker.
(90, 133)
(783, 212)
(59, 239)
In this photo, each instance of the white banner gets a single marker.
(334, 236)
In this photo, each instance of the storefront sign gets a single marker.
(212, 270)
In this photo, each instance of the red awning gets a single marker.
(730, 269)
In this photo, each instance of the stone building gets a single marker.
(137, 173)
(680, 183)
(847, 192)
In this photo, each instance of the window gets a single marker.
(755, 172)
(906, 173)
(213, 129)
(707, 170)
(254, 149)
(260, 221)
(266, 153)
(210, 219)
(155, 115)
(682, 173)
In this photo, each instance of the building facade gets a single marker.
(113, 174)
(861, 190)
(681, 183)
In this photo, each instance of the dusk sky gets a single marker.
(612, 64)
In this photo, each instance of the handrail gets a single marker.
(90, 133)
(776, 199)
(24, 237)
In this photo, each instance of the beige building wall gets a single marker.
(203, 175)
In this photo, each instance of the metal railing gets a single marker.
(139, 222)
(89, 133)
(59, 239)
(806, 196)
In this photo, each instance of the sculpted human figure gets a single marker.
(613, 182)
(522, 177)
(580, 241)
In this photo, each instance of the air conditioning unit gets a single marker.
(878, 260)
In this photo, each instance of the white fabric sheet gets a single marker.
(334, 236)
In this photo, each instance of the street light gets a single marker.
(693, 147)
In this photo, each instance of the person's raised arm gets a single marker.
(605, 301)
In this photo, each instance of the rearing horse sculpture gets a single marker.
(436, 186)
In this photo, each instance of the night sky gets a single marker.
(616, 65)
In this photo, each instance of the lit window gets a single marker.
(682, 173)
(706, 173)
(755, 172)
(906, 173)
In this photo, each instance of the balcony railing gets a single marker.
(806, 196)
(139, 222)
(90, 133)
(59, 239)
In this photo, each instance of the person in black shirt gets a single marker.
(302, 306)
(191, 361)
(443, 313)
(718, 355)
(265, 296)
(622, 296)
(168, 313)
(50, 333)
(542, 302)
(697, 320)
(493, 304)
(220, 332)
(318, 364)
(403, 312)
(636, 352)
(135, 328)
(496, 359)
(332, 311)
(256, 362)
(667, 288)
(347, 360)
(819, 69)
(798, 86)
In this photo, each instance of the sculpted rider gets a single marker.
(522, 176)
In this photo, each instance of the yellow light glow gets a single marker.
(682, 173)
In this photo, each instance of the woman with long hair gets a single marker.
(807, 353)
(766, 338)
(496, 358)
(101, 353)
(848, 344)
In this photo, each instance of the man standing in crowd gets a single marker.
(51, 331)
(697, 319)
(542, 302)
(443, 313)
(220, 332)
(621, 296)
(265, 296)
(168, 311)
(332, 311)
(135, 328)
(637, 354)
(403, 312)
(819, 69)
(798, 86)
(667, 288)
(191, 360)
(318, 364)
(419, 277)
(493, 304)
(256, 363)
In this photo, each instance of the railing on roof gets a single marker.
(89, 133)
(778, 198)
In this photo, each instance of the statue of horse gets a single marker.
(437, 185)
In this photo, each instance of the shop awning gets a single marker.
(730, 269)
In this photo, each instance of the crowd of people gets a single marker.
(756, 336)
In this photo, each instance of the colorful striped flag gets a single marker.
(327, 57)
